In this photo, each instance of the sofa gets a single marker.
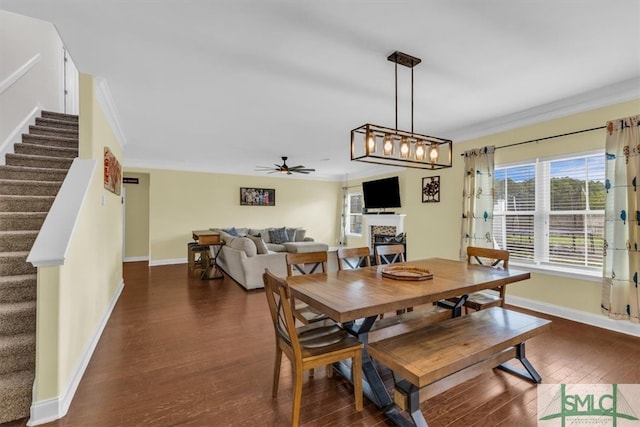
(248, 251)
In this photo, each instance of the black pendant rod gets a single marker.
(548, 137)
(396, 96)
(411, 99)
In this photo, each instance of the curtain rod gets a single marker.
(548, 137)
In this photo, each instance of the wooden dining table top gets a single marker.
(352, 294)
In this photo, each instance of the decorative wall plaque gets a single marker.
(430, 189)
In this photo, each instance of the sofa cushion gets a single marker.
(276, 248)
(242, 231)
(278, 235)
(262, 232)
(298, 247)
(261, 246)
(244, 244)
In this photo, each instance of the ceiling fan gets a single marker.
(284, 169)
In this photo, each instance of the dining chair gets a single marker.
(306, 263)
(389, 254)
(492, 258)
(308, 346)
(353, 258)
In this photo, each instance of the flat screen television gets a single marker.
(381, 193)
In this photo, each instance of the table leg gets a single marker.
(372, 385)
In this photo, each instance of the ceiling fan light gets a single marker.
(421, 150)
(434, 153)
(405, 148)
(387, 145)
(370, 143)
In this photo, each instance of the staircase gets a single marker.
(29, 183)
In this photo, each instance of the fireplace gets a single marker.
(383, 225)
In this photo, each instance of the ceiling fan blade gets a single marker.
(303, 170)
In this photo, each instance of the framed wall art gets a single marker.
(430, 189)
(112, 172)
(257, 196)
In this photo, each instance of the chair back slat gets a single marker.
(389, 254)
(487, 256)
(353, 258)
(279, 299)
(306, 263)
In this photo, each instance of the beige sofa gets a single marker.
(247, 252)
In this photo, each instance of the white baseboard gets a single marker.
(55, 408)
(136, 258)
(167, 262)
(598, 320)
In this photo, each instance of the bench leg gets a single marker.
(530, 373)
(413, 401)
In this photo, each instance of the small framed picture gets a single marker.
(257, 196)
(430, 189)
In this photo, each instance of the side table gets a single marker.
(211, 270)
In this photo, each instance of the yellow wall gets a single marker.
(137, 217)
(183, 201)
(433, 229)
(84, 287)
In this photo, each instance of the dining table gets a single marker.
(355, 299)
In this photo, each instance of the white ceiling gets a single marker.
(227, 85)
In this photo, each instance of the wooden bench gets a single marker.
(427, 361)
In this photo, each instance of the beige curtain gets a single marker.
(477, 200)
(620, 297)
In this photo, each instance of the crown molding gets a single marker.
(609, 95)
(108, 106)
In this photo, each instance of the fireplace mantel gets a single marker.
(396, 221)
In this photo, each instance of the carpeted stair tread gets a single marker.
(14, 221)
(19, 288)
(16, 390)
(29, 174)
(60, 116)
(13, 203)
(45, 150)
(38, 161)
(15, 263)
(46, 130)
(17, 240)
(54, 123)
(50, 141)
(17, 352)
(17, 317)
(34, 188)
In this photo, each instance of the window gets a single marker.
(354, 211)
(551, 212)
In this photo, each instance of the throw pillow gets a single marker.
(260, 245)
(291, 234)
(232, 231)
(278, 235)
(300, 234)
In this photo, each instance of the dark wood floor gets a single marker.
(180, 351)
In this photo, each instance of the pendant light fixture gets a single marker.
(414, 150)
